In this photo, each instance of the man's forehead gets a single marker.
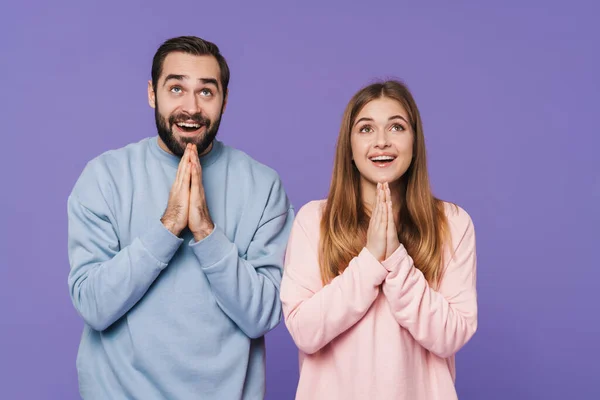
(189, 65)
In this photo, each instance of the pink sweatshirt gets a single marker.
(378, 331)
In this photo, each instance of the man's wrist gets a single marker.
(170, 225)
(203, 232)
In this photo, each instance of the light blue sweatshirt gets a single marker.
(167, 317)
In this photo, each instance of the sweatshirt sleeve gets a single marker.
(247, 288)
(315, 314)
(442, 320)
(105, 280)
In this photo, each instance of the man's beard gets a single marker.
(177, 146)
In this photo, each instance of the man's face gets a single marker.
(188, 102)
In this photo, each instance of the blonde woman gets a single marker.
(379, 286)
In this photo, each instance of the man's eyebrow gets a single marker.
(209, 80)
(178, 77)
(175, 77)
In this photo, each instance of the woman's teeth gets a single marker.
(382, 158)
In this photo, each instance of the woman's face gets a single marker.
(382, 142)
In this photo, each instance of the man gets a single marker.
(176, 246)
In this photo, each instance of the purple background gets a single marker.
(507, 92)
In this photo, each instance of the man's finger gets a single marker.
(182, 164)
(186, 176)
(194, 190)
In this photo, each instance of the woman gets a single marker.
(379, 284)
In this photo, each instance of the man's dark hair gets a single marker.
(191, 45)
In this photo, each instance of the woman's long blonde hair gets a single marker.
(423, 224)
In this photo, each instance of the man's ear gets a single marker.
(151, 95)
(225, 98)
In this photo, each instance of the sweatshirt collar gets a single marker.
(174, 160)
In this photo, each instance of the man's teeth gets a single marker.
(186, 125)
(382, 158)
